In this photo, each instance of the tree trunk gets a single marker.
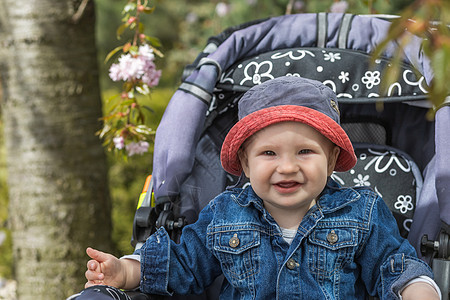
(57, 174)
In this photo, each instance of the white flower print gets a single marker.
(255, 72)
(226, 77)
(330, 84)
(407, 224)
(404, 203)
(393, 87)
(344, 95)
(371, 78)
(384, 160)
(419, 83)
(362, 180)
(332, 57)
(338, 179)
(344, 76)
(291, 54)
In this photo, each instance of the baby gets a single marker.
(293, 233)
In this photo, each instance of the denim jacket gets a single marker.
(347, 246)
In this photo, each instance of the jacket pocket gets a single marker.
(237, 251)
(330, 248)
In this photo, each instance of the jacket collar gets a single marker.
(334, 197)
(248, 196)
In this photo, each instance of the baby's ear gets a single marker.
(244, 162)
(332, 159)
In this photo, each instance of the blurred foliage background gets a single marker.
(183, 27)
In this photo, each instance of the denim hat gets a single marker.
(285, 99)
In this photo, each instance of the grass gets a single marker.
(6, 245)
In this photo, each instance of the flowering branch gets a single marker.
(124, 128)
(428, 19)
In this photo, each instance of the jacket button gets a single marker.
(234, 241)
(291, 264)
(332, 237)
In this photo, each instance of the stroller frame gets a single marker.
(214, 77)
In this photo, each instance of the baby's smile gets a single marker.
(287, 186)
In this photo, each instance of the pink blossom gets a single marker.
(131, 67)
(339, 7)
(119, 142)
(115, 72)
(151, 76)
(137, 148)
(140, 67)
(146, 52)
(191, 18)
(128, 68)
(299, 5)
(222, 9)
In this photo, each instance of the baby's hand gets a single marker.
(104, 269)
(420, 291)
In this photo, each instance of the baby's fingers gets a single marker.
(94, 277)
(98, 255)
(93, 265)
(92, 283)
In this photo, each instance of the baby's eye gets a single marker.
(269, 153)
(304, 151)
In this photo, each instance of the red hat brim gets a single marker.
(260, 119)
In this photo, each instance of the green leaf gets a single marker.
(153, 41)
(114, 51)
(141, 27)
(127, 102)
(148, 108)
(134, 50)
(113, 106)
(121, 29)
(110, 117)
(157, 52)
(125, 18)
(128, 87)
(111, 98)
(141, 117)
(144, 129)
(396, 30)
(439, 87)
(148, 10)
(102, 132)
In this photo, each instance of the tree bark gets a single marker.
(57, 173)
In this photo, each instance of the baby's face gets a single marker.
(288, 165)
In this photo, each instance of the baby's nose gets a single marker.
(288, 165)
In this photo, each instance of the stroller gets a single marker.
(401, 154)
